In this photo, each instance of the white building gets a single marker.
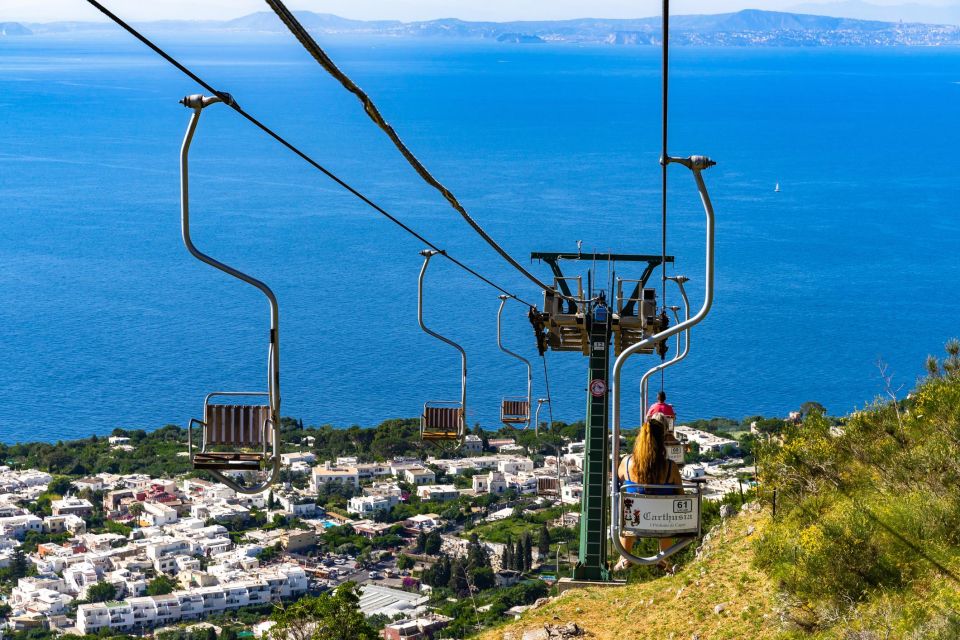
(328, 473)
(438, 492)
(571, 493)
(366, 506)
(18, 526)
(472, 444)
(297, 505)
(515, 465)
(297, 457)
(493, 482)
(419, 476)
(267, 585)
(70, 504)
(157, 514)
(707, 442)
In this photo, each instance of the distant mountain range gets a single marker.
(947, 13)
(748, 27)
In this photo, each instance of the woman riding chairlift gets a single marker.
(649, 465)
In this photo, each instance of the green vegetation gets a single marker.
(867, 534)
(330, 616)
(466, 612)
(161, 585)
(101, 592)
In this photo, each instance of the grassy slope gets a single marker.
(674, 606)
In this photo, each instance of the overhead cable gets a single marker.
(229, 100)
(663, 161)
(318, 54)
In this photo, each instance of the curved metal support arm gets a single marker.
(697, 164)
(260, 487)
(198, 103)
(679, 280)
(503, 302)
(427, 254)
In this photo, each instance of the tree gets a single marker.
(271, 502)
(543, 544)
(60, 485)
(527, 551)
(405, 562)
(458, 578)
(161, 586)
(331, 616)
(432, 546)
(808, 408)
(518, 553)
(421, 541)
(506, 560)
(101, 592)
(19, 565)
(477, 556)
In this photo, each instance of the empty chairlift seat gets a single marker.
(442, 421)
(236, 437)
(515, 411)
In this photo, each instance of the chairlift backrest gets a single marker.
(237, 425)
(515, 408)
(442, 418)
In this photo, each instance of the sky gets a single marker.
(56, 10)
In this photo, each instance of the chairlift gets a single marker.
(660, 511)
(236, 437)
(676, 450)
(442, 421)
(514, 410)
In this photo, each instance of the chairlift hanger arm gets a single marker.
(681, 354)
(198, 103)
(696, 164)
(427, 254)
(503, 302)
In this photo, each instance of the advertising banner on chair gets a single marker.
(653, 516)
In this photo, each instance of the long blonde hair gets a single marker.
(649, 463)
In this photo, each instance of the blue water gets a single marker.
(107, 322)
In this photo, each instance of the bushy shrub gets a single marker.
(868, 512)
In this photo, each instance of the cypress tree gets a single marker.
(543, 545)
(527, 552)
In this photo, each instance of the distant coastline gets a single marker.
(744, 28)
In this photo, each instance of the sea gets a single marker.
(834, 289)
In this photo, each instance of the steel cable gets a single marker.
(324, 60)
(229, 100)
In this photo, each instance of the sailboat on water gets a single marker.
(776, 189)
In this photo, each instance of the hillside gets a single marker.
(13, 29)
(865, 543)
(747, 27)
(719, 595)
